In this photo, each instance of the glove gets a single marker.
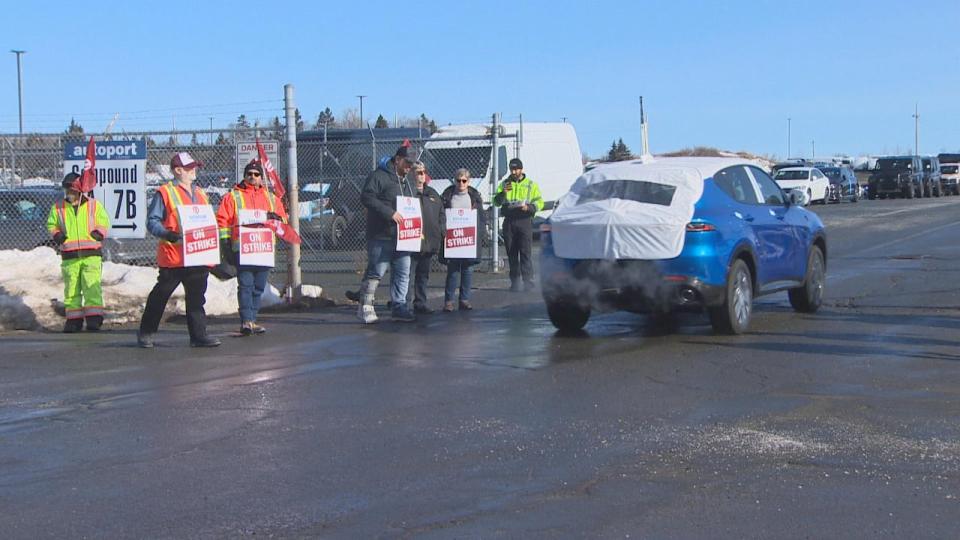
(274, 215)
(171, 236)
(227, 254)
(97, 235)
(59, 238)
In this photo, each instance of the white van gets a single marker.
(550, 153)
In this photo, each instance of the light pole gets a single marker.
(19, 86)
(361, 109)
(789, 129)
(916, 129)
(813, 149)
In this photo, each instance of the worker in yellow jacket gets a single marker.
(78, 225)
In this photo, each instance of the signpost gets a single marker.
(120, 188)
(247, 152)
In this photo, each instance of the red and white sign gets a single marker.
(410, 231)
(256, 241)
(460, 242)
(201, 243)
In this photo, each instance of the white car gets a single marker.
(808, 181)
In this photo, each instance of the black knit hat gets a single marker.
(254, 165)
(71, 180)
(515, 163)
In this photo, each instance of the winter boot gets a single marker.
(72, 326)
(365, 311)
(94, 322)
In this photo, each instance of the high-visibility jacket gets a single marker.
(523, 191)
(245, 197)
(170, 254)
(77, 223)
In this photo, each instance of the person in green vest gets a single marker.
(78, 225)
(520, 199)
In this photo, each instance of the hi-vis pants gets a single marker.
(82, 293)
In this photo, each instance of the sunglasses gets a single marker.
(463, 181)
(421, 172)
(253, 173)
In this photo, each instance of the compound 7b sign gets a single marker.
(121, 166)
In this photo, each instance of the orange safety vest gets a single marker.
(243, 197)
(170, 254)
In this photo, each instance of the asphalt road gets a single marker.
(845, 423)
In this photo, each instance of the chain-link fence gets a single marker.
(332, 165)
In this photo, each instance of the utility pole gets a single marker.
(211, 131)
(789, 132)
(361, 109)
(644, 145)
(916, 129)
(813, 149)
(19, 86)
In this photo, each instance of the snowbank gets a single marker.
(31, 292)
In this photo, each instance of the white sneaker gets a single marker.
(367, 314)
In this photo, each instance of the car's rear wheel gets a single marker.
(336, 231)
(566, 315)
(908, 193)
(733, 317)
(807, 299)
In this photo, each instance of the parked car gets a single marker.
(843, 184)
(931, 176)
(808, 181)
(950, 173)
(679, 234)
(896, 176)
(23, 216)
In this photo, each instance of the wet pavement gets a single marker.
(844, 423)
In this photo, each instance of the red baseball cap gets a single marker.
(185, 160)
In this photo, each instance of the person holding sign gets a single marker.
(520, 199)
(464, 221)
(181, 217)
(78, 224)
(393, 227)
(247, 242)
(434, 226)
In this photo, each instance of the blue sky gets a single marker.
(723, 74)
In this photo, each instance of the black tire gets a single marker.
(871, 196)
(936, 191)
(733, 317)
(335, 232)
(909, 193)
(807, 299)
(567, 316)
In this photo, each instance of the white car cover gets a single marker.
(626, 229)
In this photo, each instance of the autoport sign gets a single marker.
(120, 168)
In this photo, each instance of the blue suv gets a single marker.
(679, 234)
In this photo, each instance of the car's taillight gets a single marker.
(700, 227)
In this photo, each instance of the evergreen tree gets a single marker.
(194, 141)
(325, 118)
(276, 129)
(381, 122)
(242, 122)
(74, 128)
(299, 119)
(619, 151)
(222, 139)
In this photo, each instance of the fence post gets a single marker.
(293, 182)
(494, 173)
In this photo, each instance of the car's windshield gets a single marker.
(949, 169)
(891, 164)
(792, 175)
(831, 173)
(628, 190)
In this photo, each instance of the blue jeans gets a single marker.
(459, 273)
(251, 281)
(382, 254)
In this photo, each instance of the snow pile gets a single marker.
(31, 292)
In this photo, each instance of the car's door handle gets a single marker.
(748, 217)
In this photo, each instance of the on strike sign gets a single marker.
(201, 245)
(256, 243)
(410, 232)
(460, 241)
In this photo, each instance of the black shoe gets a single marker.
(515, 287)
(72, 326)
(205, 341)
(403, 315)
(144, 341)
(94, 322)
(421, 309)
(529, 286)
(353, 296)
(465, 305)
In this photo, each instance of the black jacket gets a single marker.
(379, 197)
(434, 220)
(476, 202)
